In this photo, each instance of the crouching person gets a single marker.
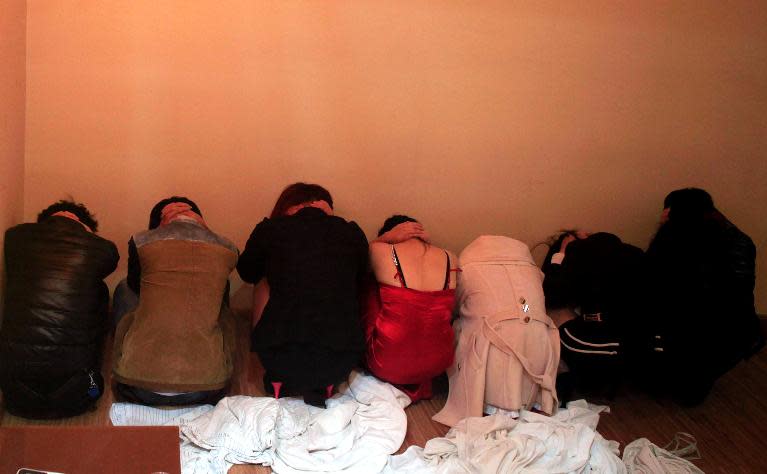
(593, 287)
(701, 274)
(55, 313)
(508, 348)
(176, 347)
(407, 320)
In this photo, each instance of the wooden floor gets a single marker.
(731, 426)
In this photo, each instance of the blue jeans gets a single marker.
(124, 301)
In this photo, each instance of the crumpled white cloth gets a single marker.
(355, 434)
(194, 460)
(643, 457)
(131, 414)
(366, 423)
(533, 443)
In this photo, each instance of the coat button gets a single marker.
(522, 301)
(527, 319)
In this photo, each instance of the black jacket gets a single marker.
(701, 276)
(599, 274)
(54, 314)
(314, 264)
(603, 277)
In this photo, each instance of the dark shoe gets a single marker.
(316, 397)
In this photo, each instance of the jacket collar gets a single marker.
(65, 222)
(496, 249)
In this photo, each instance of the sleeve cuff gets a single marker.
(557, 258)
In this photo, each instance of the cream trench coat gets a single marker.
(508, 348)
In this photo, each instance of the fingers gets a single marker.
(412, 227)
(566, 241)
(423, 235)
(403, 232)
(175, 208)
(413, 230)
(582, 234)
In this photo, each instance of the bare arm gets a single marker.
(260, 298)
(403, 232)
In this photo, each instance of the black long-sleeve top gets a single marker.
(314, 264)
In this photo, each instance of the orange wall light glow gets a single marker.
(516, 118)
(12, 95)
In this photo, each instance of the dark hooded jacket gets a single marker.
(701, 277)
(54, 317)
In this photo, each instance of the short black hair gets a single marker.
(155, 216)
(76, 208)
(393, 222)
(688, 203)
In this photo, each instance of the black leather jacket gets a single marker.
(55, 307)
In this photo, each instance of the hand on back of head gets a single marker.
(405, 231)
(319, 204)
(176, 210)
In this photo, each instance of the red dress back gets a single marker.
(409, 336)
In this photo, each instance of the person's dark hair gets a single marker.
(393, 222)
(299, 193)
(75, 208)
(155, 216)
(688, 204)
(554, 243)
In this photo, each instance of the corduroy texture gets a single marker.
(180, 338)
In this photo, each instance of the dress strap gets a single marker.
(399, 274)
(447, 272)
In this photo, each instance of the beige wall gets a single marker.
(12, 93)
(476, 117)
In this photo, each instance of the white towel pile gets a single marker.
(366, 423)
(356, 433)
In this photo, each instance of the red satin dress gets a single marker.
(409, 336)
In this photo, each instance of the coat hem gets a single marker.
(169, 387)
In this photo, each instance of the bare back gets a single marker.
(423, 267)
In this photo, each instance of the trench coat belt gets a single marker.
(544, 380)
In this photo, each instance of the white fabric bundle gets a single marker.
(130, 414)
(366, 423)
(356, 433)
(643, 457)
(565, 442)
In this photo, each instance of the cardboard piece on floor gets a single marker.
(87, 449)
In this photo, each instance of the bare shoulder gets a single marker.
(379, 251)
(378, 248)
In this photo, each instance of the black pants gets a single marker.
(594, 354)
(303, 368)
(146, 397)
